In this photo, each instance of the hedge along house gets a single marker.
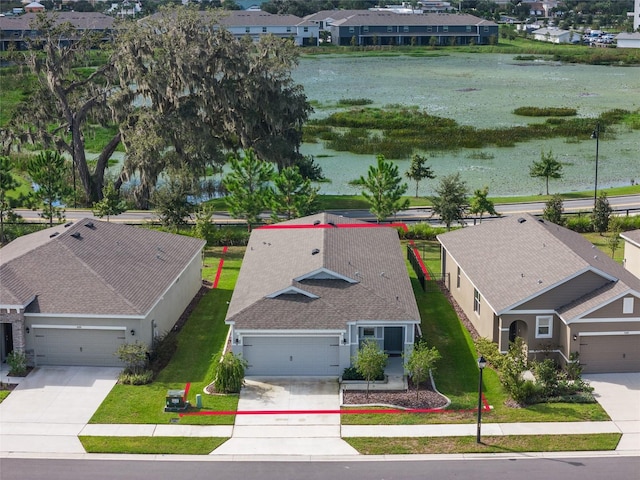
(73, 293)
(311, 290)
(529, 278)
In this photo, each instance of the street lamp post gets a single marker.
(481, 364)
(596, 135)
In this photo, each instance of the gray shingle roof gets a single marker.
(110, 269)
(80, 20)
(371, 18)
(279, 258)
(633, 236)
(510, 260)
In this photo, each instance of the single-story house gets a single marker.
(73, 293)
(632, 251)
(526, 277)
(310, 290)
(555, 35)
(388, 28)
(628, 40)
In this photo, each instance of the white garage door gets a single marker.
(291, 356)
(83, 347)
(610, 353)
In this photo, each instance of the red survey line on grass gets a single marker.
(220, 264)
(354, 411)
(186, 391)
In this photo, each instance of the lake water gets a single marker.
(482, 90)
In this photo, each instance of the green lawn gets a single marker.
(503, 444)
(199, 347)
(152, 445)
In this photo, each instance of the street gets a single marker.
(622, 205)
(572, 467)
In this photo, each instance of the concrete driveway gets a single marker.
(284, 432)
(619, 395)
(49, 408)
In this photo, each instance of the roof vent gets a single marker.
(76, 235)
(332, 224)
(317, 222)
(68, 224)
(89, 225)
(541, 220)
(54, 234)
(315, 251)
(522, 220)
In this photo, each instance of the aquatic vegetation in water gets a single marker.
(545, 111)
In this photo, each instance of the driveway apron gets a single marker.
(619, 395)
(48, 409)
(284, 432)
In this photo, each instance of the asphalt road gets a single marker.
(163, 467)
(622, 204)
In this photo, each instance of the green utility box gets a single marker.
(175, 401)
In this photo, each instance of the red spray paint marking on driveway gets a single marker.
(220, 264)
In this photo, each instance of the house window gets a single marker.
(468, 28)
(405, 28)
(486, 29)
(476, 301)
(544, 327)
(305, 29)
(458, 278)
(288, 29)
(264, 29)
(627, 305)
(247, 30)
(389, 29)
(365, 29)
(351, 30)
(445, 28)
(369, 332)
(429, 29)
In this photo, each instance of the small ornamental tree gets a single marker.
(418, 170)
(479, 203)
(111, 203)
(421, 362)
(383, 189)
(553, 210)
(134, 355)
(230, 374)
(370, 361)
(548, 167)
(601, 214)
(49, 171)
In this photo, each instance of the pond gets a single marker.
(482, 90)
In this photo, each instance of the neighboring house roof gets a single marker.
(633, 236)
(297, 275)
(390, 18)
(552, 32)
(628, 36)
(514, 259)
(257, 18)
(80, 20)
(92, 268)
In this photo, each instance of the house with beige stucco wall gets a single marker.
(632, 251)
(526, 277)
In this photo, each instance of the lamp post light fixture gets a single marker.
(596, 134)
(481, 364)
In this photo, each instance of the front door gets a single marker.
(7, 340)
(393, 340)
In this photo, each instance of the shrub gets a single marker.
(489, 350)
(545, 111)
(230, 373)
(348, 102)
(140, 378)
(421, 231)
(162, 350)
(579, 223)
(18, 364)
(351, 373)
